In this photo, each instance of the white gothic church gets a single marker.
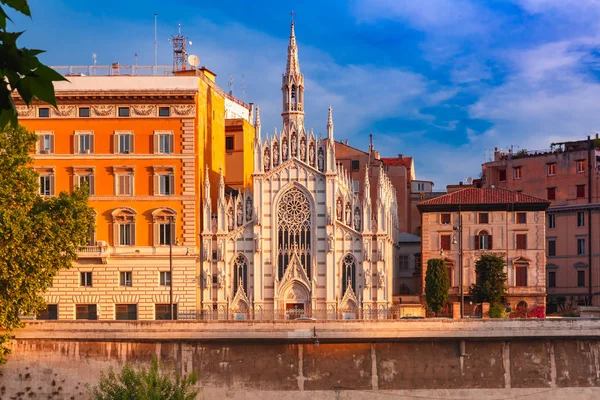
(305, 239)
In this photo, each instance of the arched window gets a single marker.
(293, 93)
(522, 306)
(483, 241)
(294, 231)
(348, 273)
(124, 226)
(163, 220)
(240, 273)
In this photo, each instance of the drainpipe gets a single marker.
(589, 162)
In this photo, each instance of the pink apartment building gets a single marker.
(463, 225)
(567, 175)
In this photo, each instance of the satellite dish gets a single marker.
(469, 180)
(190, 42)
(193, 60)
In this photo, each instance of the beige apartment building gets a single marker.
(462, 226)
(567, 175)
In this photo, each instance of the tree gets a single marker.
(21, 69)
(437, 284)
(38, 236)
(491, 280)
(156, 383)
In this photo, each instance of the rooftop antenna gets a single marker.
(230, 84)
(136, 59)
(155, 43)
(243, 86)
(94, 58)
(179, 50)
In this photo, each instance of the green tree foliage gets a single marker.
(156, 383)
(21, 68)
(38, 236)
(491, 280)
(436, 284)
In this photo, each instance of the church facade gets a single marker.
(304, 239)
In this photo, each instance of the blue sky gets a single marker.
(443, 81)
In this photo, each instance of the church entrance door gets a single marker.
(294, 310)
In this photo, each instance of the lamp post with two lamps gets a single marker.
(458, 232)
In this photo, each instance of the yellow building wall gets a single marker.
(240, 161)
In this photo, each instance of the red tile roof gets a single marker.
(484, 196)
(394, 161)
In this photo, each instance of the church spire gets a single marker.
(330, 124)
(292, 88)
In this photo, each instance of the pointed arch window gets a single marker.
(348, 273)
(294, 230)
(293, 93)
(240, 271)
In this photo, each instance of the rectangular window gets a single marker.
(229, 143)
(123, 111)
(521, 241)
(45, 143)
(127, 234)
(580, 166)
(355, 165)
(445, 219)
(87, 180)
(124, 184)
(165, 186)
(502, 175)
(580, 278)
(163, 311)
(50, 312)
(445, 242)
(47, 185)
(84, 143)
(165, 278)
(125, 312)
(551, 221)
(85, 279)
(517, 173)
(165, 234)
(355, 185)
(43, 112)
(125, 278)
(84, 112)
(164, 111)
(86, 311)
(551, 248)
(403, 262)
(123, 142)
(551, 278)
(551, 193)
(551, 169)
(580, 219)
(580, 247)
(521, 218)
(163, 143)
(580, 191)
(483, 218)
(521, 275)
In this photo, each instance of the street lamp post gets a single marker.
(458, 230)
(171, 267)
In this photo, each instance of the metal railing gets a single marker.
(392, 313)
(114, 70)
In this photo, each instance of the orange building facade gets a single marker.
(143, 145)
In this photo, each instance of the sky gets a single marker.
(443, 81)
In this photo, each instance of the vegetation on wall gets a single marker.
(155, 383)
(490, 285)
(437, 284)
(38, 235)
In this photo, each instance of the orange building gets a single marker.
(144, 145)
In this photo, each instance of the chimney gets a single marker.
(460, 183)
(346, 142)
(400, 155)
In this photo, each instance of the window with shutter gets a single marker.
(521, 276)
(445, 219)
(445, 242)
(483, 242)
(580, 191)
(552, 279)
(580, 278)
(483, 218)
(551, 248)
(521, 218)
(163, 142)
(521, 241)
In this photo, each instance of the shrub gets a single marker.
(497, 311)
(537, 312)
(491, 280)
(436, 284)
(145, 384)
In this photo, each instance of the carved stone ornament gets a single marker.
(65, 111)
(143, 109)
(25, 111)
(184, 110)
(367, 278)
(207, 279)
(220, 279)
(103, 111)
(381, 278)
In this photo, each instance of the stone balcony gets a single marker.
(101, 252)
